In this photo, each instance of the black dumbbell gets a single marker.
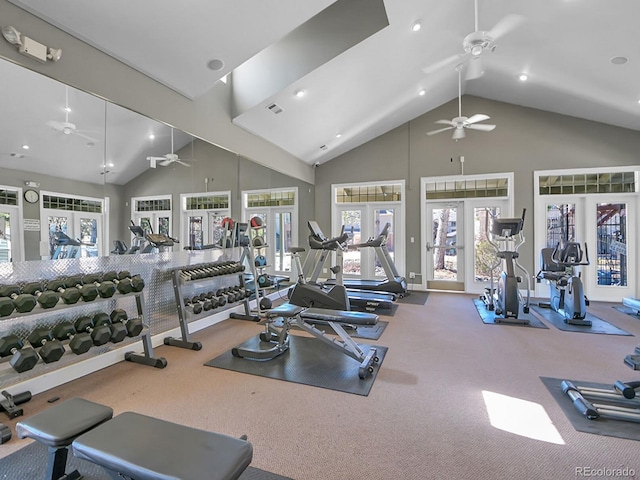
(78, 342)
(46, 299)
(22, 302)
(134, 326)
(88, 292)
(22, 358)
(196, 307)
(106, 289)
(121, 281)
(100, 334)
(118, 330)
(50, 349)
(68, 293)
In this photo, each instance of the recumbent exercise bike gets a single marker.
(506, 237)
(566, 291)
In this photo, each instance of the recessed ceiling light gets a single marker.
(422, 93)
(110, 164)
(415, 26)
(215, 64)
(338, 135)
(619, 60)
(299, 93)
(151, 136)
(25, 147)
(523, 77)
(91, 144)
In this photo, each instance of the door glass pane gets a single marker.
(381, 218)
(195, 232)
(57, 225)
(561, 224)
(445, 255)
(215, 228)
(163, 226)
(612, 244)
(283, 241)
(89, 236)
(5, 237)
(352, 220)
(145, 223)
(484, 254)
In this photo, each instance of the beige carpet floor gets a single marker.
(454, 399)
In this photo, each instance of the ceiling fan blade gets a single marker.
(157, 159)
(164, 162)
(485, 127)
(86, 137)
(478, 117)
(458, 134)
(474, 68)
(183, 163)
(55, 125)
(443, 63)
(505, 25)
(444, 122)
(433, 132)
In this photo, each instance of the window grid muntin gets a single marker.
(583, 183)
(72, 204)
(271, 199)
(390, 192)
(8, 197)
(153, 205)
(208, 202)
(468, 188)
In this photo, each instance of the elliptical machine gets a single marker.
(566, 291)
(506, 237)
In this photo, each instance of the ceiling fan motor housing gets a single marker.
(477, 42)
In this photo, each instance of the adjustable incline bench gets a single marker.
(294, 315)
(133, 446)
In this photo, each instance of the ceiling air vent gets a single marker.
(323, 147)
(275, 108)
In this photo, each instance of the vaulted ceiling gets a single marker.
(361, 66)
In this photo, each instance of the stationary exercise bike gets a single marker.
(506, 237)
(566, 291)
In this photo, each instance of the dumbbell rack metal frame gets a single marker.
(184, 314)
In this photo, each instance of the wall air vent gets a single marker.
(275, 108)
(323, 147)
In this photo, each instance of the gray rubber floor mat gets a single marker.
(415, 298)
(601, 426)
(597, 324)
(308, 361)
(31, 462)
(489, 317)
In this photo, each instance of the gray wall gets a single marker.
(525, 140)
(225, 171)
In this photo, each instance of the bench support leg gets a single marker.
(57, 465)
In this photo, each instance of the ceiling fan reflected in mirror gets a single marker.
(477, 43)
(459, 123)
(167, 159)
(66, 127)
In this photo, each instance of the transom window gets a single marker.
(73, 204)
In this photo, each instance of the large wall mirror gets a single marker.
(75, 165)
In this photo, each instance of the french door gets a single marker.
(602, 222)
(10, 235)
(281, 234)
(364, 222)
(203, 227)
(457, 253)
(84, 227)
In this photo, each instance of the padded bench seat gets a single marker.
(340, 316)
(147, 448)
(58, 426)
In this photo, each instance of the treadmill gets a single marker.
(394, 283)
(361, 298)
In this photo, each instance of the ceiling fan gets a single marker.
(477, 43)
(67, 127)
(459, 123)
(167, 159)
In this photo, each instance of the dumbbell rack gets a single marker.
(249, 254)
(146, 358)
(184, 314)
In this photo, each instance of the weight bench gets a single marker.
(58, 426)
(133, 446)
(302, 318)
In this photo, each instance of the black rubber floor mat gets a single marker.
(308, 361)
(374, 332)
(489, 317)
(601, 426)
(597, 324)
(31, 462)
(383, 312)
(414, 298)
